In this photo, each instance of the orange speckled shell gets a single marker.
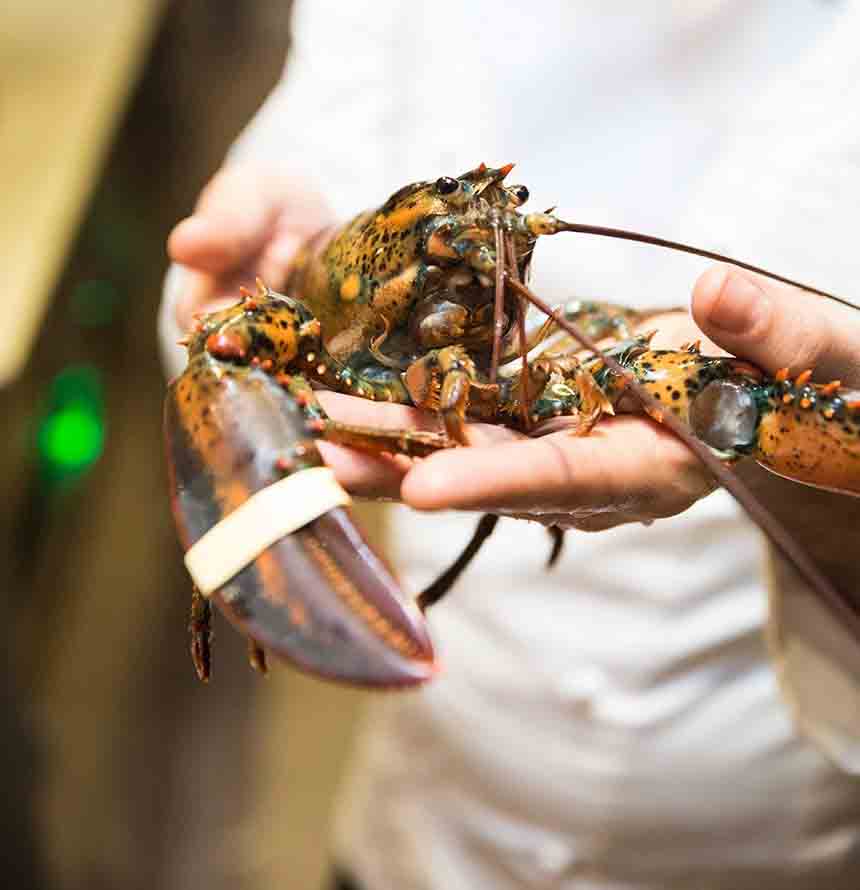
(806, 446)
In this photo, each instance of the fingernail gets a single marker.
(739, 303)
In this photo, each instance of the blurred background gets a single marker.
(121, 770)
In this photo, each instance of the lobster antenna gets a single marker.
(521, 306)
(625, 235)
(499, 304)
(778, 534)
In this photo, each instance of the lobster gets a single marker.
(423, 302)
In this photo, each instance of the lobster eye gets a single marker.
(724, 415)
(520, 192)
(445, 185)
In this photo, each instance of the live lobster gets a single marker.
(422, 302)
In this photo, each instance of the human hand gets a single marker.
(249, 220)
(778, 326)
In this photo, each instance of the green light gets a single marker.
(71, 433)
(71, 439)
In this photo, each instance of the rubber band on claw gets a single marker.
(278, 510)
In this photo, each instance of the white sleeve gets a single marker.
(339, 94)
(785, 195)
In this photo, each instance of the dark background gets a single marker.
(120, 770)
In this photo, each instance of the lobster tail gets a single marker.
(319, 596)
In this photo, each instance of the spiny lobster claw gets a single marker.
(319, 596)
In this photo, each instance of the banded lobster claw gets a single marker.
(319, 596)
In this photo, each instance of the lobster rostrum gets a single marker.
(422, 302)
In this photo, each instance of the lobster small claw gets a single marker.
(318, 596)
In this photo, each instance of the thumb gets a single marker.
(776, 325)
(230, 225)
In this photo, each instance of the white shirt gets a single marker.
(615, 723)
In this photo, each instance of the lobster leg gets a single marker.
(257, 657)
(412, 443)
(446, 381)
(200, 630)
(486, 525)
(599, 320)
(557, 535)
(432, 594)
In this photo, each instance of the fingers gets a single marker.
(385, 415)
(231, 223)
(248, 222)
(776, 325)
(222, 240)
(628, 469)
(364, 475)
(351, 409)
(380, 476)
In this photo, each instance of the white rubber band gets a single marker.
(271, 514)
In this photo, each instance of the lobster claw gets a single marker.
(318, 597)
